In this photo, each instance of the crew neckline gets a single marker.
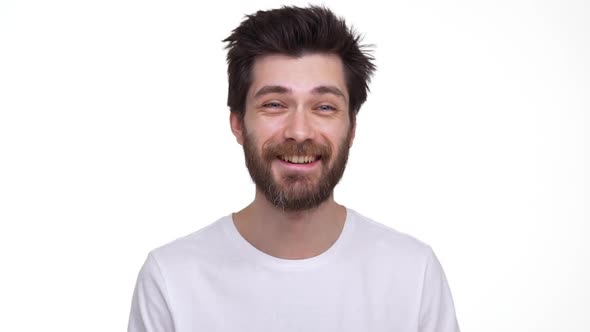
(252, 253)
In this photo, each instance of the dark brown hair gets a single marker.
(295, 31)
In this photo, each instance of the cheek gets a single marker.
(265, 134)
(337, 135)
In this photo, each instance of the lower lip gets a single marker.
(299, 167)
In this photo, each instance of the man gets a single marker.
(294, 259)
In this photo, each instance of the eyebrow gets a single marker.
(323, 89)
(272, 89)
(318, 90)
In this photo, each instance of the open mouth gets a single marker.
(299, 159)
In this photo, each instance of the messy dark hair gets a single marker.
(296, 31)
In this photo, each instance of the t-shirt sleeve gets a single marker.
(150, 310)
(437, 311)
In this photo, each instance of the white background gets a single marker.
(115, 139)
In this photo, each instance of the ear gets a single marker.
(237, 126)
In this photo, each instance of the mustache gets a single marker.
(289, 148)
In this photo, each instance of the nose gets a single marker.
(299, 126)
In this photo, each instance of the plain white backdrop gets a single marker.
(115, 139)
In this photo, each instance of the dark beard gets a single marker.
(298, 192)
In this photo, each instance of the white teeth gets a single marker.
(298, 159)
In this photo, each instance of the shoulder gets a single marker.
(385, 239)
(202, 245)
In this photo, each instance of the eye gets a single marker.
(326, 108)
(272, 104)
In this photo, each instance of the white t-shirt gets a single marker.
(373, 278)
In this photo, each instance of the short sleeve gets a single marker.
(150, 310)
(437, 310)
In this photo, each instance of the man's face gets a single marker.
(296, 131)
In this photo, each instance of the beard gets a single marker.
(295, 192)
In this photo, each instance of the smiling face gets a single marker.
(296, 131)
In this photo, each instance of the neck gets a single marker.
(290, 235)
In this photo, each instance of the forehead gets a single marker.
(300, 74)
